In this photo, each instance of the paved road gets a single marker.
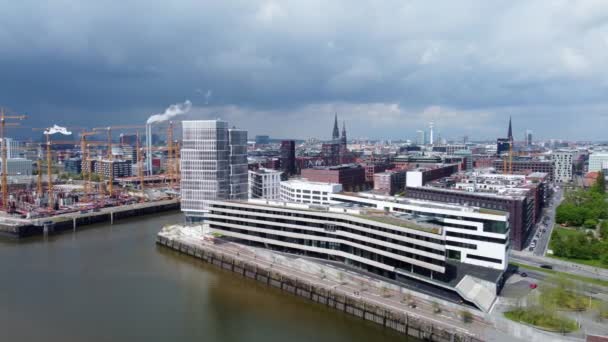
(543, 241)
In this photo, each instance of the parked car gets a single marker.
(523, 274)
(549, 267)
(533, 286)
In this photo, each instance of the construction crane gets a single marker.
(110, 156)
(85, 172)
(3, 125)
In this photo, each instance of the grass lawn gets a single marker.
(541, 319)
(594, 281)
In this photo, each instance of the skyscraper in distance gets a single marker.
(288, 157)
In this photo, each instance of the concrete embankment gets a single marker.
(354, 305)
(21, 228)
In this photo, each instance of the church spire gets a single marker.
(343, 138)
(336, 133)
(510, 133)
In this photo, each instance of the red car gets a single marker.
(533, 286)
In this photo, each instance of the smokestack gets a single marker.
(149, 148)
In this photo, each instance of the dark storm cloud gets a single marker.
(388, 67)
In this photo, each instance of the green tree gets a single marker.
(600, 183)
(590, 223)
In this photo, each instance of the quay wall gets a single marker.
(70, 222)
(390, 318)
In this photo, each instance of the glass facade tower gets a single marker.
(213, 165)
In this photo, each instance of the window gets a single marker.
(482, 258)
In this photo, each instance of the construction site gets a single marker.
(85, 172)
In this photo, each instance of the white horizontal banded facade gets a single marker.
(343, 235)
(303, 191)
(471, 235)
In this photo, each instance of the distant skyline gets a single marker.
(284, 68)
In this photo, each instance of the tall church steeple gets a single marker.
(510, 133)
(343, 138)
(336, 133)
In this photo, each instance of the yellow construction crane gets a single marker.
(85, 172)
(3, 125)
(110, 156)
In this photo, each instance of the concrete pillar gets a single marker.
(111, 217)
(74, 223)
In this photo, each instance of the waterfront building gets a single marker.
(213, 165)
(303, 191)
(446, 250)
(264, 183)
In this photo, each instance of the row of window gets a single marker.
(295, 215)
(217, 225)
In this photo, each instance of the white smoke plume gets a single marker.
(173, 111)
(57, 129)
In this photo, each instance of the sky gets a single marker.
(283, 68)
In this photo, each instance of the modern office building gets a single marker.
(119, 168)
(18, 167)
(12, 148)
(528, 137)
(288, 157)
(303, 191)
(213, 165)
(598, 161)
(420, 137)
(390, 182)
(502, 146)
(421, 176)
(456, 253)
(264, 183)
(73, 166)
(526, 166)
(563, 165)
(519, 205)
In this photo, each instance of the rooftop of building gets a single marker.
(425, 204)
(403, 220)
(336, 168)
(306, 181)
(266, 171)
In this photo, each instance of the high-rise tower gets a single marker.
(213, 165)
(510, 132)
